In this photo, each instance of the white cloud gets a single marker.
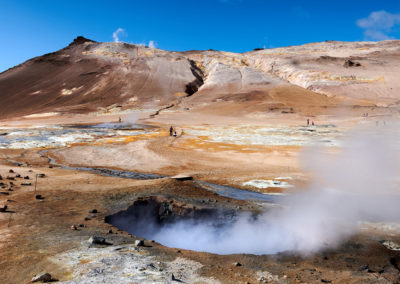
(378, 25)
(376, 35)
(152, 44)
(117, 33)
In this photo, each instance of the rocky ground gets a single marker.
(240, 121)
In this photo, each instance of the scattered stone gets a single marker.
(41, 175)
(98, 241)
(173, 278)
(139, 243)
(4, 193)
(17, 175)
(45, 277)
(92, 216)
(74, 228)
(110, 231)
(39, 196)
(26, 183)
(50, 167)
(10, 178)
(238, 264)
(81, 225)
(11, 171)
(93, 211)
(3, 208)
(1, 178)
(30, 171)
(86, 218)
(390, 245)
(26, 177)
(11, 183)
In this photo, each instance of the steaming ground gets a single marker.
(357, 184)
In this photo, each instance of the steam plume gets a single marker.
(117, 33)
(355, 184)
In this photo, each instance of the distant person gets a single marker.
(308, 121)
(171, 131)
(175, 134)
(119, 120)
(312, 123)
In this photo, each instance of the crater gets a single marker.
(179, 225)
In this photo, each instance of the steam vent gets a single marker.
(200, 142)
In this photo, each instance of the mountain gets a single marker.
(88, 76)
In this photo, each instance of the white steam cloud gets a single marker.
(117, 33)
(152, 44)
(357, 183)
(378, 25)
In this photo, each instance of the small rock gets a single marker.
(86, 218)
(4, 193)
(30, 171)
(173, 278)
(26, 183)
(110, 231)
(39, 196)
(11, 171)
(26, 177)
(41, 175)
(3, 208)
(238, 264)
(93, 211)
(10, 178)
(11, 183)
(98, 241)
(45, 277)
(74, 228)
(17, 175)
(81, 225)
(139, 243)
(182, 177)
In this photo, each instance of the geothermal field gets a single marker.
(121, 163)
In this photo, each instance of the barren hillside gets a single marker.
(88, 76)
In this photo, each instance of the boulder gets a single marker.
(98, 241)
(182, 177)
(45, 277)
(139, 243)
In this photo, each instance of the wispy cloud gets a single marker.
(117, 33)
(378, 25)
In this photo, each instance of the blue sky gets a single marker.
(32, 28)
